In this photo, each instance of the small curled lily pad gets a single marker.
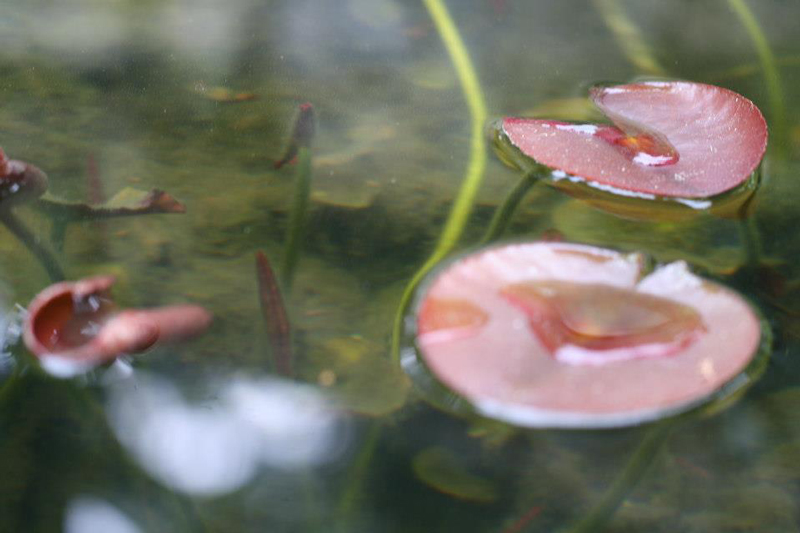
(551, 334)
(680, 141)
(442, 471)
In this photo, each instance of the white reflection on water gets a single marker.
(217, 447)
(198, 29)
(10, 332)
(92, 515)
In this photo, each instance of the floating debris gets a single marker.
(223, 95)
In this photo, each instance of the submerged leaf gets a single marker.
(127, 202)
(442, 471)
(361, 378)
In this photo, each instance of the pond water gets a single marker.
(198, 98)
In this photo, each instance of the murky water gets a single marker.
(197, 98)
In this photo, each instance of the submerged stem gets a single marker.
(297, 216)
(597, 518)
(47, 260)
(457, 219)
(771, 74)
(751, 241)
(357, 473)
(628, 37)
(502, 215)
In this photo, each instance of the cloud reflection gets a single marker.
(92, 515)
(10, 332)
(217, 447)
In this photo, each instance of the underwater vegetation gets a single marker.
(595, 329)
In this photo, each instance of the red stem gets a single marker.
(278, 329)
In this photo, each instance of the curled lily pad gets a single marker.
(677, 141)
(565, 335)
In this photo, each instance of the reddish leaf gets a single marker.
(669, 139)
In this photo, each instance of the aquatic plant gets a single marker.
(772, 76)
(278, 328)
(629, 39)
(72, 327)
(564, 335)
(127, 202)
(673, 148)
(299, 148)
(558, 335)
(22, 182)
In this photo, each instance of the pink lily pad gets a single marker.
(669, 139)
(566, 335)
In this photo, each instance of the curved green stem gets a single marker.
(47, 260)
(454, 226)
(772, 76)
(502, 216)
(751, 241)
(357, 473)
(597, 518)
(297, 216)
(629, 38)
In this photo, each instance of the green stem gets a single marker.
(751, 241)
(502, 215)
(640, 461)
(47, 260)
(772, 76)
(473, 176)
(357, 473)
(628, 37)
(297, 216)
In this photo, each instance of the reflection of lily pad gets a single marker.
(442, 471)
(344, 190)
(696, 241)
(361, 378)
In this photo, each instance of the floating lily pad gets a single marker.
(676, 141)
(564, 335)
(442, 471)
